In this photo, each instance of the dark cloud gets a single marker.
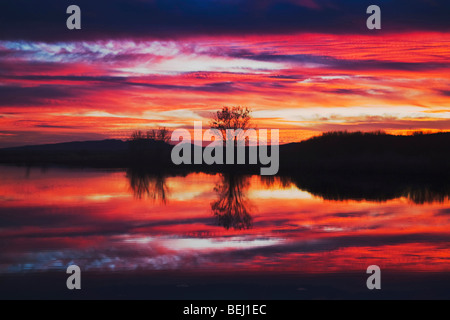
(295, 78)
(443, 212)
(101, 19)
(14, 95)
(63, 217)
(219, 87)
(352, 214)
(45, 93)
(55, 127)
(332, 244)
(69, 78)
(390, 65)
(15, 138)
(8, 68)
(445, 93)
(335, 63)
(348, 91)
(35, 95)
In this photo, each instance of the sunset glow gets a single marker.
(325, 174)
(302, 84)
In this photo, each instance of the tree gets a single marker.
(137, 135)
(231, 118)
(160, 134)
(150, 147)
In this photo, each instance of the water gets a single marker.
(122, 224)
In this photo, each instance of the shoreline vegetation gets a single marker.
(335, 166)
(331, 152)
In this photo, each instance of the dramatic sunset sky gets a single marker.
(302, 66)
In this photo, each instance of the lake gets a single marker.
(208, 236)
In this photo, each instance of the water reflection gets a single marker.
(232, 209)
(148, 184)
(374, 188)
(93, 218)
(427, 194)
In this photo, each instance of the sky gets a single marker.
(302, 66)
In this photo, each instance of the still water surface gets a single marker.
(123, 221)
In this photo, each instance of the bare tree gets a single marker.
(151, 134)
(160, 134)
(163, 134)
(137, 135)
(231, 118)
(149, 147)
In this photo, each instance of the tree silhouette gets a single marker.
(232, 207)
(231, 118)
(149, 148)
(148, 184)
(160, 134)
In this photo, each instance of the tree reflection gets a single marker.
(232, 209)
(148, 184)
(427, 194)
(418, 190)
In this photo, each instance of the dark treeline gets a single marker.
(97, 154)
(371, 166)
(334, 152)
(369, 153)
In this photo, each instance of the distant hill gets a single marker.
(330, 153)
(357, 143)
(76, 146)
(368, 152)
(103, 153)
